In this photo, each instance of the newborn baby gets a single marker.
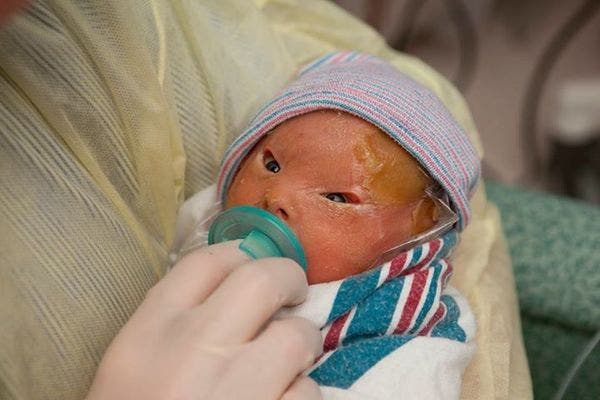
(373, 175)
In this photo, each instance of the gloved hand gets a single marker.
(205, 332)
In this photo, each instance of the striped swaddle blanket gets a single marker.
(367, 318)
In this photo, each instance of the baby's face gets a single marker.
(345, 188)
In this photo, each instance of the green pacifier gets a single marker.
(264, 234)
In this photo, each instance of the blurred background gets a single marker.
(530, 71)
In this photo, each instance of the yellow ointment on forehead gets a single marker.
(392, 175)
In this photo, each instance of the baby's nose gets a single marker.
(277, 202)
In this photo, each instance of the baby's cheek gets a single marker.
(342, 241)
(245, 190)
(234, 198)
(336, 248)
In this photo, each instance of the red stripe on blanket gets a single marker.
(398, 265)
(333, 335)
(418, 284)
(439, 314)
(447, 273)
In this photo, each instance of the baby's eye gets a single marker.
(271, 164)
(336, 197)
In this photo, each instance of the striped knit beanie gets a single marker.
(372, 89)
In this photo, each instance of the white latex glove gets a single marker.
(204, 332)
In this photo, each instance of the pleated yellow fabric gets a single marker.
(111, 113)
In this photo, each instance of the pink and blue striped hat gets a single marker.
(372, 89)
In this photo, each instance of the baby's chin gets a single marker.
(323, 272)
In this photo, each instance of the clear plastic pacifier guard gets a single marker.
(263, 234)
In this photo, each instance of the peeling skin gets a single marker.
(393, 176)
(331, 152)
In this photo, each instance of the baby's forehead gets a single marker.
(328, 137)
(327, 131)
(323, 131)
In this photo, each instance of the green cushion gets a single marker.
(555, 248)
(552, 349)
